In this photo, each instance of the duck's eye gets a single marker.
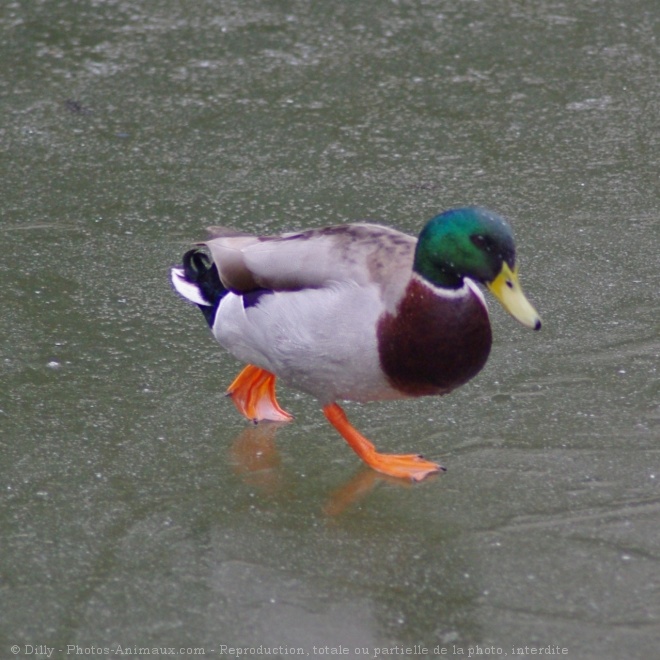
(481, 241)
(509, 283)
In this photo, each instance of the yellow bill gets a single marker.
(506, 288)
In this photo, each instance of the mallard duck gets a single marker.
(357, 312)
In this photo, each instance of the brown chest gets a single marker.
(433, 344)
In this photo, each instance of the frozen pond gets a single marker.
(139, 511)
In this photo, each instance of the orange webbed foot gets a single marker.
(253, 394)
(404, 466)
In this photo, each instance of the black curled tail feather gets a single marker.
(199, 271)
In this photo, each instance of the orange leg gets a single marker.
(406, 466)
(253, 393)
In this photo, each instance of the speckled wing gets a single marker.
(361, 254)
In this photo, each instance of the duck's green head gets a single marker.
(476, 243)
